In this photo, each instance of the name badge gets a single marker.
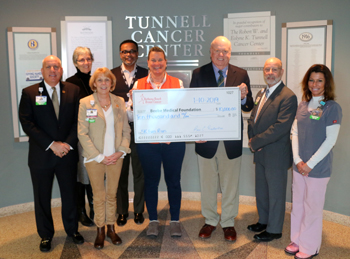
(314, 117)
(91, 113)
(40, 100)
(316, 114)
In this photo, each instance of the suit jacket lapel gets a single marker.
(63, 99)
(115, 107)
(257, 101)
(98, 107)
(211, 76)
(49, 104)
(270, 100)
(231, 76)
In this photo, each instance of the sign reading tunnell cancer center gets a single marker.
(178, 36)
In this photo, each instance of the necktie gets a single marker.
(55, 103)
(262, 102)
(221, 79)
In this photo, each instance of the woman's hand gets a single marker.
(116, 156)
(303, 168)
(112, 159)
(107, 161)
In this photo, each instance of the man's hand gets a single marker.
(244, 90)
(59, 148)
(250, 145)
(130, 94)
(201, 141)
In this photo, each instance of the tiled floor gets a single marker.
(19, 239)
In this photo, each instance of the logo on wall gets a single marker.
(179, 35)
(305, 36)
(33, 44)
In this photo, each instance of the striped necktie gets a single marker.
(262, 102)
(221, 79)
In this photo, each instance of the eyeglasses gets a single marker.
(218, 51)
(83, 60)
(54, 67)
(274, 70)
(132, 51)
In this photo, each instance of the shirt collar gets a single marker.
(273, 88)
(49, 88)
(224, 70)
(153, 85)
(125, 70)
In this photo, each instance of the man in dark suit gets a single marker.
(48, 113)
(127, 74)
(220, 161)
(269, 138)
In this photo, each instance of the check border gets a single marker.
(187, 114)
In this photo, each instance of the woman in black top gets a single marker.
(82, 59)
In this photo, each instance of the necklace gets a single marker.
(104, 106)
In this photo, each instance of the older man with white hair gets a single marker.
(269, 138)
(220, 161)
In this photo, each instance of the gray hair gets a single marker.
(81, 51)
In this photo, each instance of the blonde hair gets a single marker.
(107, 73)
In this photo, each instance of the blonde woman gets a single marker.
(104, 134)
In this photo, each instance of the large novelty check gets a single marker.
(188, 114)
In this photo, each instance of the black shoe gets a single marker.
(45, 244)
(122, 218)
(80, 199)
(139, 219)
(266, 236)
(77, 238)
(84, 219)
(257, 227)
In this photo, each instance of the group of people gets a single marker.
(103, 123)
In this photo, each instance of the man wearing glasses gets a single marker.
(269, 138)
(127, 74)
(219, 162)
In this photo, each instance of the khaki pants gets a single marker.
(104, 196)
(224, 172)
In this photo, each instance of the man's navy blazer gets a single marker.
(205, 77)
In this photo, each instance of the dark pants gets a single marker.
(151, 157)
(42, 180)
(270, 189)
(123, 192)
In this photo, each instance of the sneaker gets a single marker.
(175, 229)
(292, 248)
(153, 228)
(301, 255)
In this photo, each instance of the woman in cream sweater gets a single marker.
(104, 134)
